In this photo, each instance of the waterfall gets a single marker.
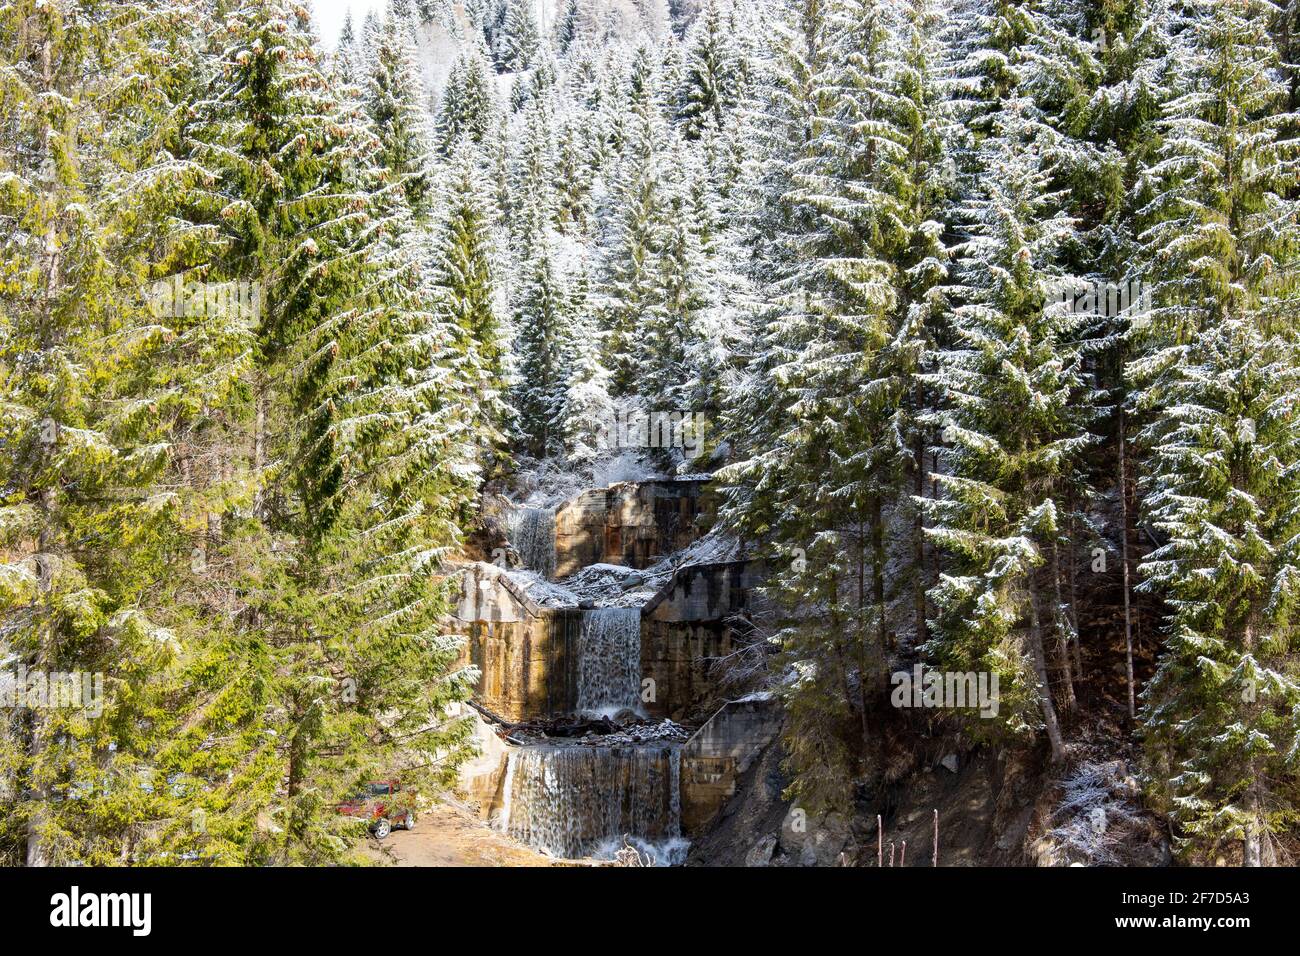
(580, 801)
(531, 532)
(609, 661)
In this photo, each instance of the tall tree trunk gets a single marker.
(878, 578)
(38, 818)
(1252, 845)
(259, 443)
(920, 633)
(1074, 591)
(1253, 842)
(864, 664)
(1128, 610)
(1062, 637)
(1040, 671)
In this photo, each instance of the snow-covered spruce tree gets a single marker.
(839, 382)
(574, 175)
(347, 58)
(565, 28)
(101, 388)
(543, 334)
(367, 40)
(1218, 253)
(777, 129)
(1096, 71)
(467, 107)
(588, 408)
(1009, 386)
(629, 280)
(989, 35)
(668, 331)
(714, 75)
(1222, 221)
(394, 99)
(1223, 490)
(716, 349)
(776, 132)
(532, 193)
(928, 131)
(360, 449)
(461, 271)
(669, 79)
(517, 43)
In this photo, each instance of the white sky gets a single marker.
(330, 13)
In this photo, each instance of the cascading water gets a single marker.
(531, 532)
(609, 661)
(580, 800)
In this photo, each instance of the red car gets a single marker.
(385, 804)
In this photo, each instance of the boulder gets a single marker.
(760, 854)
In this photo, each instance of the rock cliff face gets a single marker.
(632, 523)
(641, 657)
(719, 753)
(526, 654)
(693, 623)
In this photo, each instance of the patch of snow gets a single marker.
(714, 548)
(755, 697)
(1095, 815)
(627, 466)
(613, 585)
(544, 592)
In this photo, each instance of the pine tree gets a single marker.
(1219, 720)
(669, 331)
(1010, 385)
(1209, 374)
(108, 386)
(347, 54)
(588, 409)
(1220, 224)
(714, 73)
(565, 30)
(543, 334)
(777, 129)
(394, 100)
(927, 130)
(776, 134)
(629, 286)
(461, 270)
(837, 361)
(360, 454)
(533, 199)
(518, 41)
(56, 276)
(467, 108)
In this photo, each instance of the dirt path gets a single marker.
(449, 835)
